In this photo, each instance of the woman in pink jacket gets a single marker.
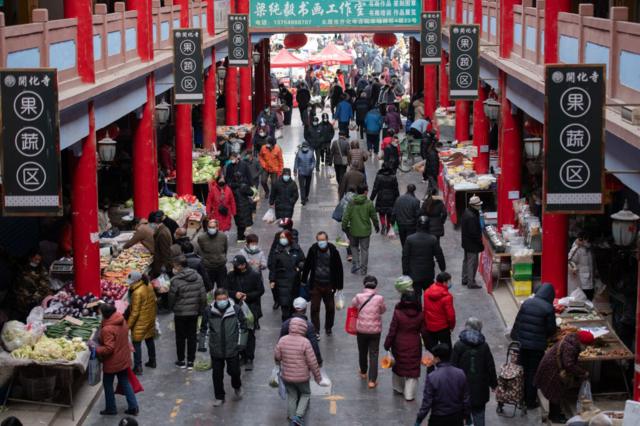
(370, 307)
(297, 362)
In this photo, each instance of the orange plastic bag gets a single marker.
(427, 359)
(387, 361)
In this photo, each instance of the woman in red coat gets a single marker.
(221, 205)
(404, 341)
(439, 313)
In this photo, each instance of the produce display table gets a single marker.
(456, 201)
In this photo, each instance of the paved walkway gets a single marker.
(178, 397)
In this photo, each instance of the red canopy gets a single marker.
(331, 55)
(285, 59)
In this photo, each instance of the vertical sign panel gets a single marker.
(464, 63)
(30, 142)
(238, 39)
(188, 66)
(430, 38)
(574, 138)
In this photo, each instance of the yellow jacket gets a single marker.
(142, 319)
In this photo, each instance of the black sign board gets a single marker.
(464, 64)
(238, 40)
(30, 142)
(574, 138)
(430, 38)
(188, 66)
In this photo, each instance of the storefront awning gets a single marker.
(621, 156)
(286, 59)
(331, 55)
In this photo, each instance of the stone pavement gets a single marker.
(174, 396)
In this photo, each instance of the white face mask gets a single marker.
(212, 231)
(253, 247)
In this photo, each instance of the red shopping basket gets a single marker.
(352, 321)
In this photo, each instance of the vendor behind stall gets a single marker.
(161, 243)
(31, 287)
(143, 234)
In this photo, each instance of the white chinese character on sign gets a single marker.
(29, 141)
(582, 77)
(595, 76)
(274, 9)
(332, 9)
(359, 8)
(464, 61)
(317, 9)
(571, 77)
(28, 105)
(302, 9)
(261, 10)
(34, 80)
(345, 8)
(575, 102)
(22, 81)
(574, 138)
(289, 9)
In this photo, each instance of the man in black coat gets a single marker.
(534, 324)
(328, 132)
(472, 245)
(245, 286)
(324, 276)
(313, 134)
(286, 98)
(284, 195)
(406, 211)
(237, 167)
(418, 254)
(303, 97)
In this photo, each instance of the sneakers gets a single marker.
(372, 385)
(181, 364)
(249, 365)
(297, 421)
(354, 269)
(190, 366)
(318, 336)
(218, 402)
(108, 413)
(151, 364)
(137, 371)
(362, 375)
(363, 271)
(349, 258)
(237, 394)
(241, 241)
(132, 411)
(474, 285)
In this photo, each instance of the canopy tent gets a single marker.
(285, 59)
(331, 55)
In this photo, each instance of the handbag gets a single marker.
(133, 382)
(94, 369)
(351, 323)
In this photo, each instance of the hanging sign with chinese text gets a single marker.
(574, 138)
(188, 66)
(334, 14)
(430, 38)
(238, 39)
(464, 64)
(30, 142)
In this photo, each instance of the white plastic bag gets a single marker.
(158, 331)
(391, 233)
(584, 396)
(35, 322)
(269, 216)
(162, 283)
(15, 335)
(339, 300)
(273, 379)
(331, 173)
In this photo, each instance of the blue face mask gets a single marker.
(286, 178)
(284, 242)
(449, 285)
(323, 244)
(222, 305)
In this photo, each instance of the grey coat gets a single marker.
(187, 296)
(226, 331)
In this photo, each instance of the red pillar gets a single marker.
(184, 137)
(555, 227)
(267, 71)
(246, 116)
(430, 73)
(481, 132)
(636, 371)
(231, 96)
(211, 77)
(259, 98)
(462, 107)
(444, 81)
(81, 9)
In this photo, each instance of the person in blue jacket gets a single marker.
(373, 124)
(303, 168)
(344, 114)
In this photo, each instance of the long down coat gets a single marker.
(404, 339)
(142, 319)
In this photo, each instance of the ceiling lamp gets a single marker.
(532, 147)
(107, 149)
(163, 111)
(492, 109)
(624, 227)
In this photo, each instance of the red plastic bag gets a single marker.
(133, 381)
(352, 321)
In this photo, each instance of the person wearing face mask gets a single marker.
(244, 285)
(472, 244)
(245, 206)
(284, 195)
(32, 286)
(187, 298)
(272, 163)
(285, 267)
(385, 193)
(392, 154)
(162, 241)
(221, 205)
(260, 139)
(303, 169)
(324, 276)
(236, 166)
(439, 313)
(315, 138)
(268, 118)
(228, 337)
(213, 249)
(328, 132)
(254, 254)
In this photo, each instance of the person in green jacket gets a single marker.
(356, 222)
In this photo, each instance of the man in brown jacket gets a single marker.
(161, 245)
(143, 235)
(351, 180)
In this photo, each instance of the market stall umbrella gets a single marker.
(331, 55)
(285, 59)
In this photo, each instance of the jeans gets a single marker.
(217, 372)
(186, 330)
(477, 416)
(298, 396)
(369, 347)
(448, 420)
(360, 251)
(109, 392)
(435, 337)
(137, 354)
(322, 293)
(469, 268)
(265, 177)
(340, 171)
(530, 360)
(217, 277)
(305, 186)
(343, 127)
(405, 231)
(373, 142)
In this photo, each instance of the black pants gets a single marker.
(368, 349)
(343, 127)
(449, 420)
(322, 293)
(435, 337)
(361, 130)
(241, 230)
(304, 116)
(305, 186)
(405, 231)
(287, 117)
(373, 142)
(319, 156)
(217, 372)
(186, 330)
(286, 312)
(249, 352)
(530, 360)
(340, 171)
(274, 293)
(217, 276)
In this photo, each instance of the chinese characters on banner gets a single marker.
(464, 64)
(276, 14)
(430, 38)
(574, 145)
(30, 142)
(238, 39)
(188, 66)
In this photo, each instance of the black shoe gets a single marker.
(108, 413)
(248, 366)
(151, 364)
(328, 332)
(257, 326)
(190, 366)
(137, 371)
(558, 419)
(132, 412)
(181, 364)
(474, 286)
(202, 348)
(276, 306)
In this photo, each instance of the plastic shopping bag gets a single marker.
(391, 233)
(158, 331)
(94, 369)
(249, 318)
(427, 359)
(387, 361)
(352, 321)
(331, 173)
(269, 216)
(133, 381)
(585, 399)
(273, 379)
(339, 300)
(282, 390)
(162, 283)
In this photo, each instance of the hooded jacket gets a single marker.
(373, 122)
(311, 333)
(187, 296)
(404, 339)
(344, 111)
(142, 318)
(313, 135)
(369, 316)
(471, 232)
(195, 262)
(271, 159)
(328, 132)
(358, 216)
(536, 320)
(385, 190)
(114, 350)
(304, 162)
(392, 119)
(472, 354)
(439, 313)
(226, 330)
(284, 196)
(418, 255)
(250, 283)
(295, 355)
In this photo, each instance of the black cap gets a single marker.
(239, 260)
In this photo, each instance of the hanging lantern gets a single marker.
(624, 227)
(295, 41)
(163, 111)
(532, 147)
(492, 109)
(107, 149)
(385, 39)
(533, 127)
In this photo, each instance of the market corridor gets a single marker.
(175, 396)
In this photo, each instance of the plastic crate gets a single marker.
(522, 288)
(522, 271)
